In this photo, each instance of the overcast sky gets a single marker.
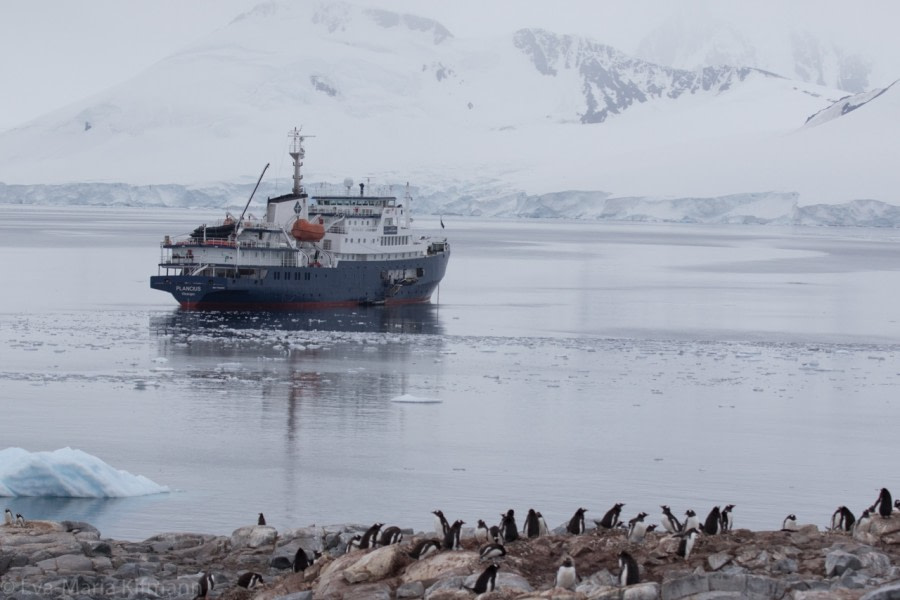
(54, 52)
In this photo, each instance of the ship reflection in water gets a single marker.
(339, 368)
(405, 319)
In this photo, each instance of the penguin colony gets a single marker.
(494, 539)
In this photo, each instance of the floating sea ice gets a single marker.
(410, 399)
(68, 473)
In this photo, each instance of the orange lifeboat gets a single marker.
(305, 231)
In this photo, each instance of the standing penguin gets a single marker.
(20, 520)
(7, 517)
(713, 521)
(481, 532)
(495, 534)
(611, 519)
(492, 550)
(425, 548)
(789, 523)
(354, 542)
(391, 535)
(842, 519)
(637, 528)
(576, 523)
(542, 524)
(207, 583)
(301, 560)
(628, 569)
(261, 520)
(508, 528)
(691, 522)
(864, 519)
(727, 518)
(441, 526)
(885, 503)
(531, 528)
(451, 540)
(565, 575)
(250, 580)
(487, 581)
(688, 539)
(669, 521)
(370, 537)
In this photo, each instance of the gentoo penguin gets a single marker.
(508, 528)
(542, 525)
(354, 542)
(20, 520)
(391, 535)
(713, 521)
(531, 528)
(495, 534)
(896, 505)
(492, 550)
(261, 520)
(481, 532)
(651, 528)
(611, 519)
(688, 539)
(565, 575)
(637, 528)
(487, 581)
(789, 523)
(451, 540)
(370, 537)
(842, 519)
(727, 519)
(7, 516)
(425, 548)
(441, 526)
(864, 519)
(576, 523)
(628, 569)
(691, 522)
(669, 521)
(207, 583)
(250, 580)
(885, 503)
(301, 560)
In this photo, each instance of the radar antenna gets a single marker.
(297, 152)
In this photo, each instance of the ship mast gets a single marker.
(297, 152)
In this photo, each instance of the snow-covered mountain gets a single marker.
(501, 125)
(700, 34)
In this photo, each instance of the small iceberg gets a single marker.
(410, 399)
(68, 473)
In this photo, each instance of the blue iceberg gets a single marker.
(68, 473)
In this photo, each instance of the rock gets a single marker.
(376, 564)
(887, 592)
(413, 589)
(307, 595)
(438, 566)
(838, 561)
(718, 560)
(254, 536)
(682, 587)
(784, 566)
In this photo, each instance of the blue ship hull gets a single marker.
(350, 283)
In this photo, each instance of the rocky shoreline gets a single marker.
(71, 560)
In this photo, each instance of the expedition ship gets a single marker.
(308, 252)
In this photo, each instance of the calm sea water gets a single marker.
(561, 364)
